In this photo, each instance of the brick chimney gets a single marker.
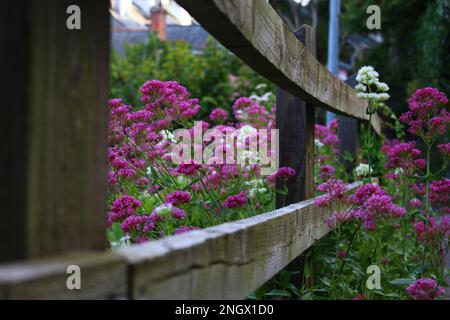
(158, 21)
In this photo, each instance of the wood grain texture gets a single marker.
(103, 276)
(254, 32)
(348, 134)
(295, 122)
(227, 261)
(59, 120)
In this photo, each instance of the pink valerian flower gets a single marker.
(219, 115)
(326, 135)
(342, 254)
(178, 213)
(388, 144)
(339, 217)
(432, 230)
(236, 201)
(168, 101)
(285, 173)
(188, 168)
(363, 193)
(440, 194)
(282, 173)
(334, 190)
(427, 116)
(178, 197)
(404, 155)
(373, 203)
(414, 204)
(333, 126)
(425, 289)
(138, 223)
(122, 208)
(359, 297)
(185, 229)
(445, 149)
(247, 111)
(327, 172)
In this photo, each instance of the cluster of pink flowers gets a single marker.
(327, 136)
(122, 208)
(178, 197)
(373, 203)
(333, 189)
(440, 194)
(248, 111)
(283, 173)
(427, 116)
(327, 172)
(168, 102)
(432, 229)
(425, 289)
(236, 201)
(219, 115)
(405, 156)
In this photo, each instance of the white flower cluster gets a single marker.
(257, 187)
(363, 170)
(368, 79)
(264, 98)
(121, 244)
(318, 143)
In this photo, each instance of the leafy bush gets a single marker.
(215, 75)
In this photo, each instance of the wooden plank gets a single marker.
(103, 276)
(57, 116)
(255, 33)
(227, 261)
(348, 133)
(295, 122)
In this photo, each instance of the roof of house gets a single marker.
(194, 34)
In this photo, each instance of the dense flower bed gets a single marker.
(399, 225)
(151, 197)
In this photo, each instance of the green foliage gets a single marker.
(415, 49)
(215, 76)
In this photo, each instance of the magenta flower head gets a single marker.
(425, 289)
(445, 149)
(219, 115)
(427, 116)
(327, 172)
(236, 201)
(185, 229)
(122, 208)
(178, 213)
(285, 173)
(178, 197)
(333, 190)
(188, 168)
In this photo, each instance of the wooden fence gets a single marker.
(54, 170)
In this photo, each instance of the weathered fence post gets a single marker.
(54, 167)
(295, 121)
(348, 133)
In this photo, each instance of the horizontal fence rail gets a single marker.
(255, 33)
(228, 261)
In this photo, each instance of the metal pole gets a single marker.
(333, 43)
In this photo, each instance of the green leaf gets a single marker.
(278, 293)
(402, 281)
